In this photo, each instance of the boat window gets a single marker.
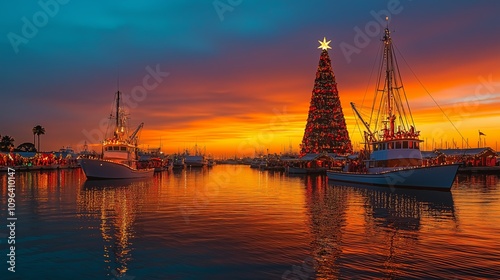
(405, 144)
(123, 148)
(382, 146)
(389, 145)
(398, 145)
(416, 145)
(410, 145)
(375, 147)
(116, 148)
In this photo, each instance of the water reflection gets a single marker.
(486, 182)
(395, 218)
(327, 207)
(344, 219)
(114, 204)
(403, 209)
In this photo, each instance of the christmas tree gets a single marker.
(325, 129)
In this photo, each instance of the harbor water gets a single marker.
(234, 222)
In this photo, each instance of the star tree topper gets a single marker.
(324, 45)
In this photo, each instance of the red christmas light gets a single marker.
(325, 130)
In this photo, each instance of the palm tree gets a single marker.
(6, 143)
(34, 133)
(38, 130)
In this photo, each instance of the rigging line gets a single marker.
(111, 117)
(401, 81)
(434, 100)
(377, 90)
(401, 110)
(403, 119)
(369, 79)
(377, 84)
(404, 116)
(383, 100)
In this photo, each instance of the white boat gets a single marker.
(119, 156)
(439, 177)
(109, 169)
(195, 161)
(392, 154)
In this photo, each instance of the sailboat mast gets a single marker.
(388, 79)
(118, 110)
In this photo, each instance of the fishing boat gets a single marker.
(178, 162)
(256, 162)
(119, 153)
(392, 154)
(195, 161)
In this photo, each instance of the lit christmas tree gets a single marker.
(325, 129)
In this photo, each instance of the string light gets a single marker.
(326, 129)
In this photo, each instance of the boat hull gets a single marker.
(439, 177)
(195, 161)
(103, 169)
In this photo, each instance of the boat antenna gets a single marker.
(117, 109)
(117, 100)
(117, 127)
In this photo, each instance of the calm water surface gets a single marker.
(233, 222)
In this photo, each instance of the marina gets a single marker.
(235, 140)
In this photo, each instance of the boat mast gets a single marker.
(388, 77)
(117, 110)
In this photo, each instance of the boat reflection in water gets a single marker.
(344, 218)
(114, 204)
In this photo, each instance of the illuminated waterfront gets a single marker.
(233, 222)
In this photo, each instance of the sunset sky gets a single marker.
(235, 76)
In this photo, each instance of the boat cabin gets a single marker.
(397, 152)
(116, 150)
(396, 144)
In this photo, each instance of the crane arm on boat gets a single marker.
(367, 126)
(134, 134)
